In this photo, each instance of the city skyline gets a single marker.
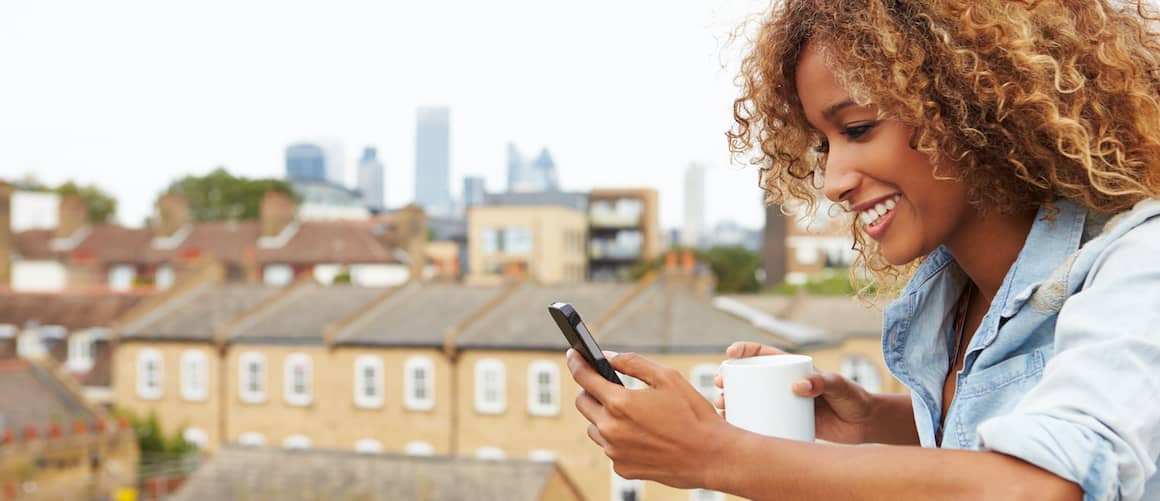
(202, 102)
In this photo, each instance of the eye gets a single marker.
(857, 131)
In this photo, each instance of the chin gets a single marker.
(896, 257)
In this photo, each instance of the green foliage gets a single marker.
(831, 282)
(735, 267)
(220, 195)
(150, 439)
(102, 205)
(342, 278)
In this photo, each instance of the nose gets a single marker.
(841, 177)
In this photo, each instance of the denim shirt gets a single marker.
(1064, 370)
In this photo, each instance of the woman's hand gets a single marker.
(664, 433)
(841, 414)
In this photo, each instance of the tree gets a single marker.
(220, 195)
(102, 206)
(735, 267)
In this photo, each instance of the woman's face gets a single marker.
(873, 171)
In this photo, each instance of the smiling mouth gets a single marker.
(875, 214)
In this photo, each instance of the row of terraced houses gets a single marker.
(430, 369)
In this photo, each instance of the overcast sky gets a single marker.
(133, 94)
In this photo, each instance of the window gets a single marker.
(368, 446)
(368, 382)
(163, 278)
(542, 456)
(419, 384)
(861, 370)
(149, 374)
(543, 388)
(517, 240)
(252, 439)
(277, 275)
(82, 349)
(626, 490)
(490, 395)
(252, 377)
(30, 345)
(490, 454)
(705, 495)
(297, 373)
(489, 241)
(121, 277)
(296, 442)
(196, 436)
(703, 376)
(419, 449)
(194, 375)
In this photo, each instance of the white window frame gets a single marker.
(147, 387)
(278, 275)
(376, 399)
(196, 436)
(863, 371)
(535, 406)
(411, 400)
(490, 381)
(117, 273)
(368, 446)
(289, 391)
(296, 442)
(194, 375)
(489, 453)
(82, 351)
(251, 439)
(621, 484)
(706, 495)
(698, 375)
(419, 448)
(164, 277)
(246, 394)
(30, 344)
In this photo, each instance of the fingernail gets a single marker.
(610, 354)
(803, 386)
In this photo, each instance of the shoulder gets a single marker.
(1129, 245)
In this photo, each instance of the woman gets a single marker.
(1003, 155)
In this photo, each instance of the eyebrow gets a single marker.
(830, 112)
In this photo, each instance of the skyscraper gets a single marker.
(305, 162)
(515, 166)
(433, 159)
(694, 228)
(545, 169)
(333, 150)
(370, 178)
(474, 191)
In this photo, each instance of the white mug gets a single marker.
(759, 396)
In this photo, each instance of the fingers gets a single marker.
(594, 434)
(638, 367)
(719, 402)
(589, 407)
(588, 379)
(822, 383)
(719, 382)
(742, 349)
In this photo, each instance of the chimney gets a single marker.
(172, 213)
(276, 212)
(774, 255)
(5, 234)
(73, 215)
(411, 236)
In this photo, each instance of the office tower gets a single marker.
(693, 230)
(474, 191)
(433, 159)
(305, 162)
(515, 167)
(545, 170)
(370, 178)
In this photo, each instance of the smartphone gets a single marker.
(581, 340)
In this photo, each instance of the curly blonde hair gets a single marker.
(1028, 101)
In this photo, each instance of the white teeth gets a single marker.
(890, 204)
(871, 215)
(881, 209)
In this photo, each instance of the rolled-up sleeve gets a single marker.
(1094, 418)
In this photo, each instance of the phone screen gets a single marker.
(581, 339)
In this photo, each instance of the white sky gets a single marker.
(134, 94)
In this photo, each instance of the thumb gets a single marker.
(823, 383)
(636, 366)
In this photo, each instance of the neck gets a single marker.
(987, 245)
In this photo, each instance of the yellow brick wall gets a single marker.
(173, 412)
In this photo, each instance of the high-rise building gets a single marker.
(433, 159)
(694, 228)
(305, 162)
(333, 150)
(515, 167)
(545, 169)
(474, 191)
(370, 178)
